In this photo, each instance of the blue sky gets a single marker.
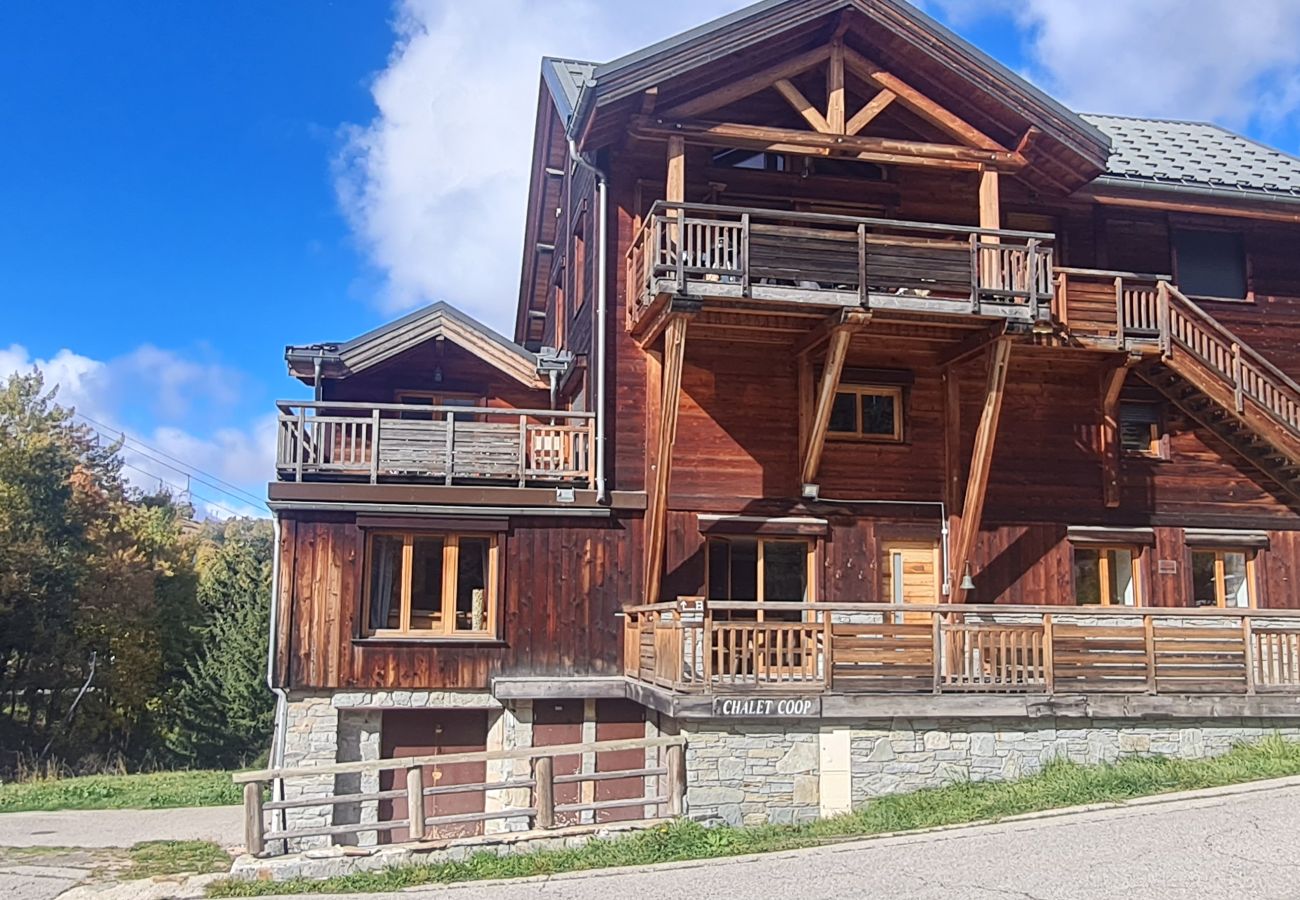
(190, 187)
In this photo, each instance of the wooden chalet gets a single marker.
(854, 382)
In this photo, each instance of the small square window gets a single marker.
(1106, 576)
(431, 585)
(1210, 264)
(1223, 578)
(1140, 429)
(868, 412)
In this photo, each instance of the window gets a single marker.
(749, 159)
(1210, 264)
(428, 398)
(1140, 429)
(579, 267)
(431, 585)
(1107, 576)
(1223, 578)
(870, 413)
(772, 570)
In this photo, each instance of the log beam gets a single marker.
(835, 354)
(748, 86)
(981, 464)
(865, 116)
(952, 459)
(853, 320)
(804, 107)
(835, 102)
(1112, 385)
(990, 199)
(656, 523)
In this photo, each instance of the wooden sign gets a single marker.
(767, 707)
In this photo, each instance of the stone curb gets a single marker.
(850, 844)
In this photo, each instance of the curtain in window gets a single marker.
(386, 552)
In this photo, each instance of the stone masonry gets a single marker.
(751, 774)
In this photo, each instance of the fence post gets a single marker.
(523, 451)
(254, 825)
(1248, 650)
(746, 283)
(451, 443)
(1238, 391)
(676, 765)
(1162, 295)
(374, 447)
(544, 791)
(1120, 328)
(1049, 665)
(1149, 636)
(415, 802)
(302, 439)
(937, 641)
(864, 290)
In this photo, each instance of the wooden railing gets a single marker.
(389, 441)
(875, 648)
(654, 789)
(737, 252)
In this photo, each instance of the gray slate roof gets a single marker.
(566, 79)
(1195, 155)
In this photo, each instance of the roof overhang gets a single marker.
(439, 321)
(1192, 199)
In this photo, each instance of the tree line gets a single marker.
(130, 635)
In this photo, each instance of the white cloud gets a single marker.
(171, 387)
(1220, 60)
(435, 186)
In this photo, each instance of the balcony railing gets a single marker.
(739, 253)
(699, 647)
(403, 442)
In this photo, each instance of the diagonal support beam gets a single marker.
(749, 85)
(656, 527)
(865, 116)
(803, 106)
(853, 320)
(1112, 385)
(835, 354)
(981, 464)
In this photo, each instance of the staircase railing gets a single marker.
(1247, 374)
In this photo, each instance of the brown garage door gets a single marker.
(620, 720)
(558, 722)
(434, 732)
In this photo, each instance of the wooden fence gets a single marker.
(696, 646)
(415, 779)
(390, 441)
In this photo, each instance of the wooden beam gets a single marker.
(803, 106)
(1112, 385)
(981, 464)
(865, 116)
(990, 199)
(648, 100)
(952, 456)
(976, 343)
(675, 191)
(656, 526)
(920, 104)
(1262, 213)
(852, 319)
(835, 103)
(790, 140)
(748, 86)
(835, 354)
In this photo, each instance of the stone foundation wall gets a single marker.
(747, 774)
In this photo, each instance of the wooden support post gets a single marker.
(451, 448)
(835, 354)
(952, 454)
(981, 463)
(415, 802)
(1149, 640)
(835, 105)
(676, 764)
(523, 451)
(936, 641)
(374, 446)
(254, 824)
(657, 506)
(1112, 384)
(990, 217)
(1049, 664)
(544, 791)
(675, 192)
(1248, 649)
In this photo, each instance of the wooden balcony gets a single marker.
(740, 254)
(433, 444)
(715, 648)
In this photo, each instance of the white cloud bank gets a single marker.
(172, 388)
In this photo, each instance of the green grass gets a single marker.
(153, 858)
(1061, 784)
(159, 790)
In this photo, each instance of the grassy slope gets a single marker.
(1060, 785)
(159, 790)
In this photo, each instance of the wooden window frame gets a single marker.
(810, 564)
(1220, 575)
(893, 391)
(579, 274)
(450, 572)
(1247, 264)
(1103, 552)
(1158, 445)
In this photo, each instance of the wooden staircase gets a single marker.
(1226, 386)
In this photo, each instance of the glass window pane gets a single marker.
(878, 415)
(719, 570)
(1087, 576)
(844, 414)
(785, 571)
(426, 584)
(1123, 587)
(1211, 263)
(385, 582)
(472, 569)
(1234, 580)
(744, 570)
(1204, 589)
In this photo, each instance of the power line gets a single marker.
(197, 474)
(185, 490)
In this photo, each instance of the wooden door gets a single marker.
(558, 722)
(620, 720)
(910, 577)
(434, 732)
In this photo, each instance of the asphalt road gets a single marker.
(1242, 845)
